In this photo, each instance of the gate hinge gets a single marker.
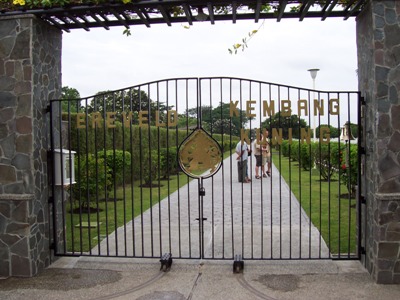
(52, 246)
(362, 250)
(362, 200)
(50, 200)
(48, 108)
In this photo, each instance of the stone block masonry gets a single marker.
(30, 75)
(378, 43)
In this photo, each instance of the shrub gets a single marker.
(285, 148)
(294, 151)
(147, 166)
(306, 156)
(168, 162)
(118, 166)
(93, 177)
(348, 174)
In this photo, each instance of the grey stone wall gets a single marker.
(30, 75)
(378, 43)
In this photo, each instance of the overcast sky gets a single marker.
(279, 53)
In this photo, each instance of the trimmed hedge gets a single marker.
(329, 158)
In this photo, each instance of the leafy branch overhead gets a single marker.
(243, 44)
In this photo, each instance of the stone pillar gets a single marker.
(378, 43)
(30, 74)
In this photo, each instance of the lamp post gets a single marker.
(313, 73)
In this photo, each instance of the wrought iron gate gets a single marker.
(119, 190)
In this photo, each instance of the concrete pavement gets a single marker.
(262, 210)
(121, 278)
(261, 219)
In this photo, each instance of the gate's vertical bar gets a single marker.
(148, 107)
(262, 186)
(131, 95)
(86, 170)
(139, 95)
(201, 216)
(339, 191)
(320, 175)
(187, 177)
(114, 177)
(360, 153)
(280, 180)
(158, 171)
(231, 178)
(105, 171)
(350, 179)
(271, 204)
(177, 177)
(80, 177)
(53, 189)
(251, 190)
(123, 93)
(290, 186)
(261, 199)
(62, 177)
(329, 184)
(300, 186)
(223, 176)
(97, 196)
(97, 193)
(212, 178)
(310, 179)
(169, 198)
(200, 181)
(70, 167)
(243, 179)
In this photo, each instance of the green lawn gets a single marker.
(334, 216)
(113, 214)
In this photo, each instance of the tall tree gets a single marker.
(222, 112)
(279, 121)
(333, 131)
(218, 119)
(125, 101)
(71, 99)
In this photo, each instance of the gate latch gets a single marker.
(202, 191)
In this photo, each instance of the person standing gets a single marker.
(242, 150)
(258, 153)
(266, 155)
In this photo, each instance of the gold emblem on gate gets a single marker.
(200, 155)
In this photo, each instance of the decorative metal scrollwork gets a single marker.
(200, 155)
